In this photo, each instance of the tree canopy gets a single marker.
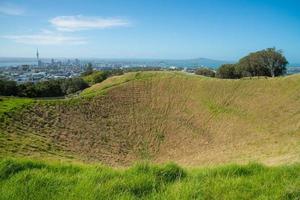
(205, 72)
(267, 62)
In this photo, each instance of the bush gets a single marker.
(27, 90)
(228, 71)
(205, 72)
(96, 77)
(51, 88)
(72, 85)
(8, 88)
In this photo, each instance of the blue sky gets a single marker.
(176, 29)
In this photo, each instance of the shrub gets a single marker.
(228, 71)
(96, 77)
(7, 87)
(51, 88)
(72, 85)
(205, 72)
(27, 90)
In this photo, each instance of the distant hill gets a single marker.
(197, 62)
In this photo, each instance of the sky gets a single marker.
(170, 29)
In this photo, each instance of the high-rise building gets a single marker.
(38, 58)
(77, 62)
(37, 54)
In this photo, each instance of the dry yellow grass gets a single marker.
(165, 116)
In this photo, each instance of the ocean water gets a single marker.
(8, 62)
(14, 64)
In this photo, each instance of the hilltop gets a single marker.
(161, 117)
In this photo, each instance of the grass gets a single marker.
(161, 116)
(51, 149)
(90, 79)
(115, 81)
(27, 179)
(10, 105)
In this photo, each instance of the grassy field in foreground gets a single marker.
(25, 179)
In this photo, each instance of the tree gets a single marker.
(73, 85)
(275, 61)
(27, 90)
(99, 77)
(267, 62)
(8, 87)
(228, 71)
(250, 66)
(205, 72)
(49, 88)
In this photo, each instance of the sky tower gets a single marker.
(38, 58)
(37, 54)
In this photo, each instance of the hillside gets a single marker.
(161, 117)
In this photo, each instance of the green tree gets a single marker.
(73, 85)
(27, 90)
(49, 88)
(7, 87)
(267, 62)
(228, 71)
(205, 72)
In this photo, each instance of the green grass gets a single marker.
(10, 105)
(115, 81)
(96, 75)
(237, 121)
(25, 179)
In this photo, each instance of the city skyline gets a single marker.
(149, 29)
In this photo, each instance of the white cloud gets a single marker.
(46, 39)
(76, 23)
(10, 9)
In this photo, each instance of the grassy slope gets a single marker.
(21, 179)
(10, 104)
(163, 116)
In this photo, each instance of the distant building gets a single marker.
(40, 64)
(77, 62)
(37, 55)
(25, 68)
